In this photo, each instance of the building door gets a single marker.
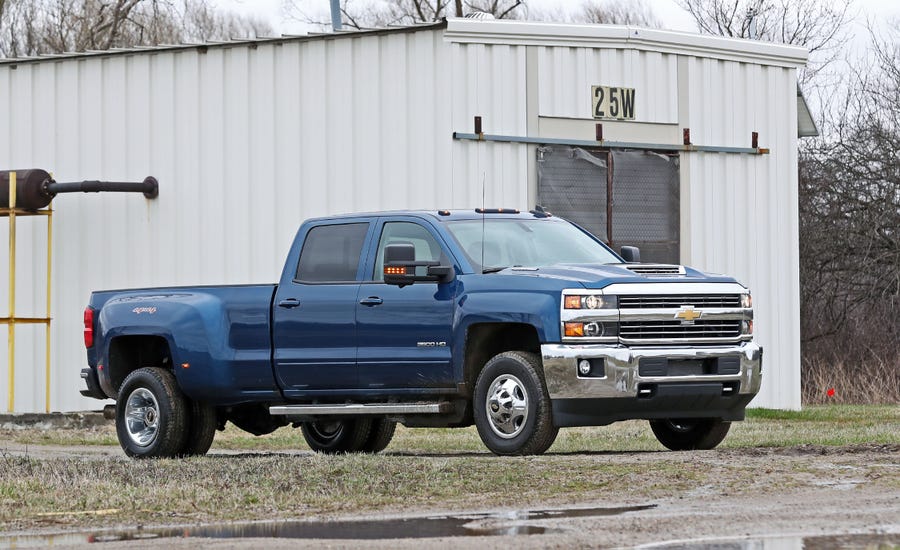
(622, 197)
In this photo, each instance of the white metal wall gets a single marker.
(250, 139)
(740, 211)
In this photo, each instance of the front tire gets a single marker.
(337, 436)
(690, 434)
(151, 414)
(512, 407)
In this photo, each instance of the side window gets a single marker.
(331, 253)
(427, 248)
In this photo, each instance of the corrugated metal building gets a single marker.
(249, 138)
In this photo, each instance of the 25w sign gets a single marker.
(612, 103)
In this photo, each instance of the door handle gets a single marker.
(288, 303)
(371, 301)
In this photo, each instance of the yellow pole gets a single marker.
(11, 349)
(47, 343)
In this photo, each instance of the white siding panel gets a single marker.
(568, 73)
(489, 81)
(743, 209)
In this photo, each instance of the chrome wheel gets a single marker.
(507, 406)
(142, 417)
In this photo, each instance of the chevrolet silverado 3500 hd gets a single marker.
(521, 323)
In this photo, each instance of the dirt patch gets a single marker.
(747, 492)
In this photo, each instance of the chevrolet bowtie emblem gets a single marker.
(688, 314)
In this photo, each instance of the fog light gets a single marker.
(584, 367)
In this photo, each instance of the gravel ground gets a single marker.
(756, 492)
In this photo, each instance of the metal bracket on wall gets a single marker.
(687, 146)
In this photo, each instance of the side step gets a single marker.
(362, 409)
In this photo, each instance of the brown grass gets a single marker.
(428, 469)
(861, 363)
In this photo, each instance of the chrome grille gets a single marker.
(650, 330)
(676, 301)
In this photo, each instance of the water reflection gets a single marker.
(466, 525)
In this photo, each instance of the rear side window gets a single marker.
(331, 253)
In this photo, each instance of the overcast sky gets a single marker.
(667, 11)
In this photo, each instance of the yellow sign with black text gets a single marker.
(612, 103)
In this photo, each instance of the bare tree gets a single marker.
(607, 12)
(850, 233)
(30, 27)
(367, 14)
(617, 12)
(819, 26)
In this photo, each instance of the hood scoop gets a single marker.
(656, 269)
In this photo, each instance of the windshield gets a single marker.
(526, 243)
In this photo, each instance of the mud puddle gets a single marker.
(875, 541)
(464, 525)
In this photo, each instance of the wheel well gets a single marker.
(485, 340)
(129, 353)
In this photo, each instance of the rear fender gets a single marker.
(219, 353)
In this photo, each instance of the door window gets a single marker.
(331, 253)
(427, 248)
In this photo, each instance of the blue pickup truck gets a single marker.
(520, 323)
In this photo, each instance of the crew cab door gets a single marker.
(404, 333)
(314, 313)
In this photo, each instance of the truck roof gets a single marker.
(448, 215)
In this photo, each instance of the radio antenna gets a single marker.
(482, 221)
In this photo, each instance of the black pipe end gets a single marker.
(152, 187)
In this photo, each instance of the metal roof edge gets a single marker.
(144, 49)
(619, 36)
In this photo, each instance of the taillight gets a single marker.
(88, 327)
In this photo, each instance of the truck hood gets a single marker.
(602, 275)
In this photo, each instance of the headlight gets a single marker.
(590, 301)
(746, 301)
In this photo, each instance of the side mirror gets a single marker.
(631, 254)
(400, 267)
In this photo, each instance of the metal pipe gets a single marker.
(11, 327)
(336, 15)
(49, 286)
(612, 144)
(149, 187)
(609, 199)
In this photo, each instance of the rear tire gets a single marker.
(512, 407)
(690, 434)
(202, 431)
(151, 414)
(337, 436)
(380, 436)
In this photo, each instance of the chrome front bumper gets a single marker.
(622, 369)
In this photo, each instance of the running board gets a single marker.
(362, 409)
